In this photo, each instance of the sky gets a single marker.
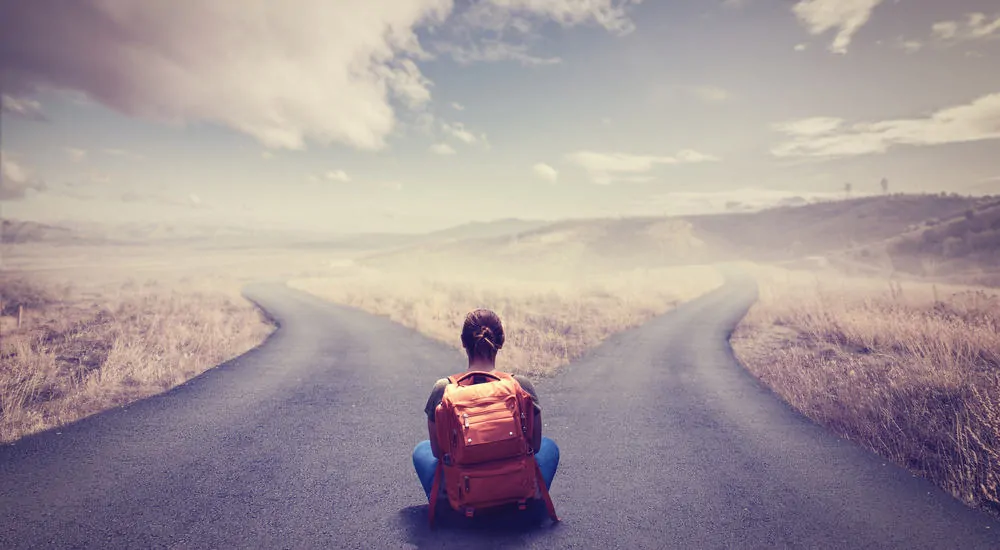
(415, 115)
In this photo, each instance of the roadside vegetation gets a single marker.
(80, 352)
(547, 323)
(909, 370)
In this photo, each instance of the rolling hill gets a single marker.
(775, 234)
(964, 247)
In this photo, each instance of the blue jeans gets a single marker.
(425, 463)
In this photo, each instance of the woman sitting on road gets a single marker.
(482, 338)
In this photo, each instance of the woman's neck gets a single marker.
(481, 365)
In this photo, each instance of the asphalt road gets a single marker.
(305, 442)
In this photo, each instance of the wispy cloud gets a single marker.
(605, 168)
(504, 30)
(829, 137)
(442, 149)
(710, 94)
(909, 46)
(976, 26)
(22, 107)
(846, 16)
(192, 200)
(76, 155)
(337, 175)
(492, 51)
(458, 131)
(545, 172)
(99, 178)
(457, 106)
(16, 179)
(123, 153)
(523, 16)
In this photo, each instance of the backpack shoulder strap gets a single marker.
(435, 489)
(545, 492)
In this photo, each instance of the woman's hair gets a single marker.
(482, 335)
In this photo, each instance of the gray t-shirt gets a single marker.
(438, 392)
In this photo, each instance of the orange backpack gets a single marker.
(484, 435)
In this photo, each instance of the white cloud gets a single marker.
(285, 73)
(801, 47)
(442, 149)
(909, 46)
(691, 156)
(76, 155)
(710, 94)
(493, 50)
(22, 107)
(847, 16)
(16, 179)
(458, 131)
(503, 30)
(457, 106)
(266, 155)
(545, 172)
(407, 83)
(522, 15)
(827, 137)
(337, 175)
(944, 30)
(134, 196)
(605, 168)
(977, 26)
(809, 126)
(123, 153)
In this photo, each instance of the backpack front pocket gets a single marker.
(489, 433)
(490, 484)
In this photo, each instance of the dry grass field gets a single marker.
(547, 323)
(909, 370)
(104, 326)
(80, 352)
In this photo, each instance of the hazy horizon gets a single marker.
(407, 116)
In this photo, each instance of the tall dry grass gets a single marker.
(80, 353)
(547, 323)
(908, 370)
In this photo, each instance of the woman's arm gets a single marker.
(432, 435)
(536, 432)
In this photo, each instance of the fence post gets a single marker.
(20, 312)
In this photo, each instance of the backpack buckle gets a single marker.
(447, 459)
